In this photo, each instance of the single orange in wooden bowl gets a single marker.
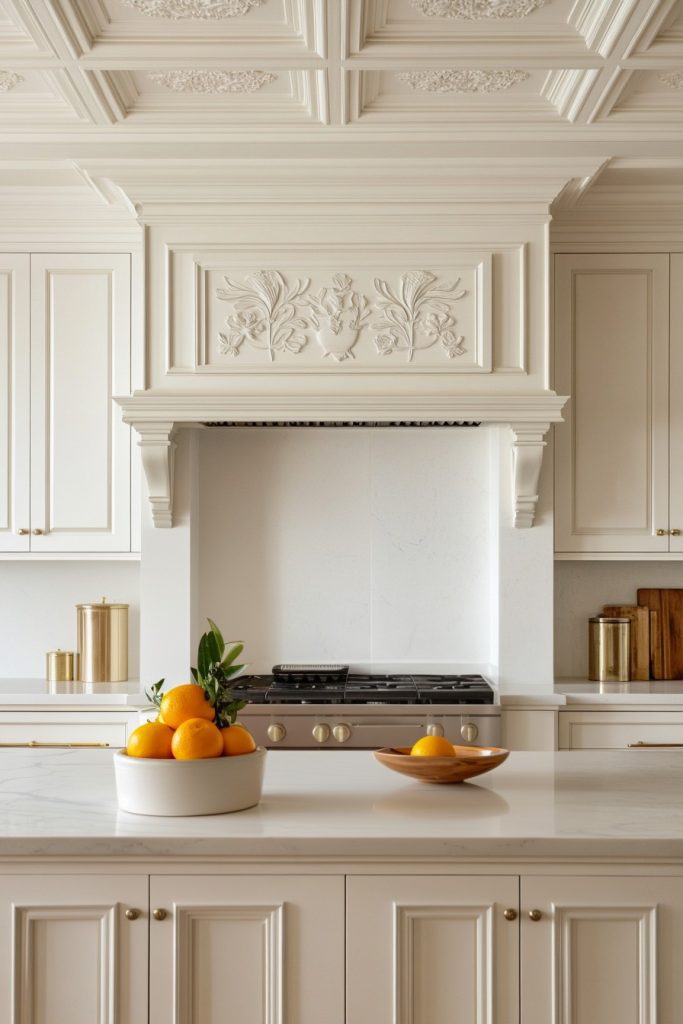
(465, 763)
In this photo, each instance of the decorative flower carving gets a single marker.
(8, 80)
(265, 314)
(418, 316)
(672, 78)
(216, 82)
(337, 315)
(463, 80)
(202, 9)
(473, 10)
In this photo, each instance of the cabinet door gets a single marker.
(426, 949)
(80, 358)
(676, 404)
(67, 951)
(605, 949)
(15, 383)
(254, 949)
(611, 357)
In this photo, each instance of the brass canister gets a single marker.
(59, 666)
(608, 649)
(102, 631)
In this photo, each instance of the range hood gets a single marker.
(348, 292)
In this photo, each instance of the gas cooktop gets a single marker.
(335, 684)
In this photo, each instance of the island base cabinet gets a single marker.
(254, 950)
(427, 949)
(603, 951)
(69, 954)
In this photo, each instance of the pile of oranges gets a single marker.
(185, 730)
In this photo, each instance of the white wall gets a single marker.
(581, 590)
(360, 545)
(38, 613)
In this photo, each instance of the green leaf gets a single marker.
(219, 636)
(235, 648)
(233, 671)
(154, 693)
(214, 648)
(193, 671)
(203, 657)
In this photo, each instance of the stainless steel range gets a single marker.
(302, 706)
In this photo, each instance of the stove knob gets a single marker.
(435, 730)
(341, 733)
(276, 732)
(469, 732)
(321, 732)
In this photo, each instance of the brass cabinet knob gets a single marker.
(22, 532)
(510, 914)
(321, 732)
(132, 914)
(37, 532)
(535, 915)
(675, 533)
(469, 732)
(435, 729)
(662, 533)
(159, 914)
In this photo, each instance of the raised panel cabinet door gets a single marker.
(676, 405)
(15, 410)
(427, 949)
(69, 954)
(603, 950)
(80, 359)
(265, 949)
(612, 359)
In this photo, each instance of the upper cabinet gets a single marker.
(616, 492)
(58, 416)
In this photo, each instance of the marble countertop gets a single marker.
(343, 804)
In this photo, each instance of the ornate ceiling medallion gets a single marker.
(214, 82)
(202, 9)
(672, 78)
(473, 10)
(8, 80)
(465, 80)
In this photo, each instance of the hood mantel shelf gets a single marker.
(157, 418)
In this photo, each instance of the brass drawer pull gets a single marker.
(132, 914)
(159, 914)
(642, 743)
(675, 533)
(22, 531)
(510, 914)
(535, 915)
(40, 743)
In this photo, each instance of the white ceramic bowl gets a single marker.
(165, 787)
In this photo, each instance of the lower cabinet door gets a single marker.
(69, 954)
(604, 950)
(426, 949)
(247, 949)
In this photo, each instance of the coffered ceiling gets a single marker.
(431, 74)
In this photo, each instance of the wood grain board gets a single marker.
(640, 636)
(667, 645)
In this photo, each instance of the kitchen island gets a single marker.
(552, 886)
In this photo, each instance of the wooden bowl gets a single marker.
(164, 787)
(464, 764)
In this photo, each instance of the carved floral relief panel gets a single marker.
(345, 318)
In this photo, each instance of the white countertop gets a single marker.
(343, 804)
(36, 693)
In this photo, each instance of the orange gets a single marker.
(433, 746)
(196, 738)
(237, 740)
(153, 739)
(184, 702)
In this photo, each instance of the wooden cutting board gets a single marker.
(640, 636)
(668, 604)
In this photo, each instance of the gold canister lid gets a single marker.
(101, 606)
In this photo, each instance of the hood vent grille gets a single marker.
(345, 423)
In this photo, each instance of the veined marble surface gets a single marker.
(343, 804)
